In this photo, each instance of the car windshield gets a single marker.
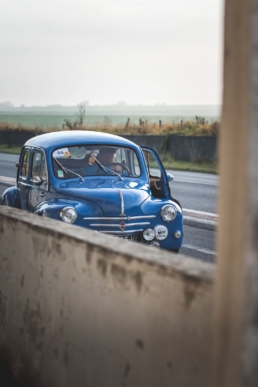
(90, 160)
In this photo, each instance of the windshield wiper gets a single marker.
(66, 170)
(106, 169)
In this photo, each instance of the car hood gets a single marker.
(110, 196)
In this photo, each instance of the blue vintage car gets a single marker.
(99, 181)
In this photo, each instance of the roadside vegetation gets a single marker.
(199, 127)
(203, 167)
(10, 149)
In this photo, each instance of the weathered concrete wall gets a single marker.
(16, 137)
(184, 148)
(85, 309)
(159, 143)
(193, 148)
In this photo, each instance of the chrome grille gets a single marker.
(118, 224)
(128, 218)
(127, 225)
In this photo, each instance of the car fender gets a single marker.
(154, 207)
(11, 197)
(53, 207)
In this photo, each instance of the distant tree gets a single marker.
(81, 116)
(81, 112)
(70, 124)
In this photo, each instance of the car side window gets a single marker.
(155, 175)
(152, 165)
(39, 166)
(25, 164)
(135, 165)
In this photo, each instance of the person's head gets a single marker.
(107, 155)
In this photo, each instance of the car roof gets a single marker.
(60, 139)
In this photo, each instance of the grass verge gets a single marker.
(208, 167)
(10, 149)
(203, 166)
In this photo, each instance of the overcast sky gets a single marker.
(106, 51)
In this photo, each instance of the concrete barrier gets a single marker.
(157, 142)
(16, 137)
(85, 309)
(183, 148)
(193, 148)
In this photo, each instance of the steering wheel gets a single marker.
(124, 168)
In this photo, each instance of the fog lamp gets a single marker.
(148, 234)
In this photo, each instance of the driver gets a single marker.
(107, 156)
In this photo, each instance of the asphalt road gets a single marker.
(195, 191)
(7, 164)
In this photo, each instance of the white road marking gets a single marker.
(194, 182)
(200, 214)
(5, 179)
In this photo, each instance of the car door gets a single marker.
(38, 179)
(23, 175)
(158, 178)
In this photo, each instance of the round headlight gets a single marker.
(148, 234)
(168, 213)
(68, 214)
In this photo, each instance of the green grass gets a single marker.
(191, 166)
(169, 163)
(10, 149)
(204, 167)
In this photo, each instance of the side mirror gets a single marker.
(170, 177)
